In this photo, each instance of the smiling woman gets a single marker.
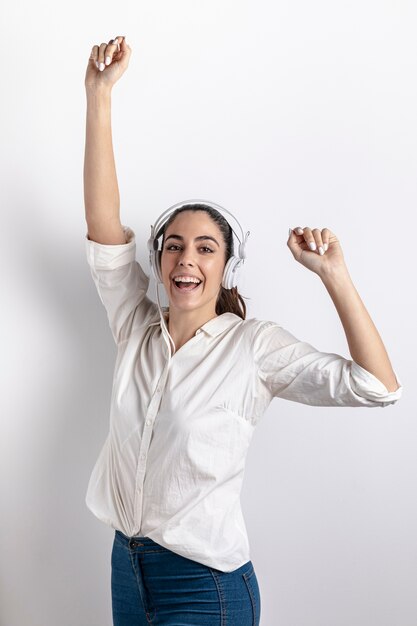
(187, 398)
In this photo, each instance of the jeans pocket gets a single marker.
(253, 588)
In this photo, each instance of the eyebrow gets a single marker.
(200, 238)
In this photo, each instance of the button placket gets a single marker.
(146, 438)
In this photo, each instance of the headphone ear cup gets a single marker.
(229, 275)
(158, 269)
(155, 265)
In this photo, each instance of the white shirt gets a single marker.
(172, 465)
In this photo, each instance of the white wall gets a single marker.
(286, 113)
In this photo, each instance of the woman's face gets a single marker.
(187, 255)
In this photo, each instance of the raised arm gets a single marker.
(320, 251)
(365, 344)
(106, 64)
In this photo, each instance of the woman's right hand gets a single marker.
(112, 69)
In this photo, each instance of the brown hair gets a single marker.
(229, 300)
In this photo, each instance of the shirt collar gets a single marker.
(216, 325)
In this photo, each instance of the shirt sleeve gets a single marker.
(295, 370)
(121, 284)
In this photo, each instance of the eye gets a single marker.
(202, 247)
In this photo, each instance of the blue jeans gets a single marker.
(153, 585)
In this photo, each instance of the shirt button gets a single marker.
(148, 422)
(142, 456)
(198, 331)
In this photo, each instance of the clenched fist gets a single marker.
(318, 250)
(107, 63)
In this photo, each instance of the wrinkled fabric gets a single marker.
(172, 465)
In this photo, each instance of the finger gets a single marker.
(117, 41)
(94, 54)
(112, 50)
(125, 49)
(296, 241)
(292, 238)
(120, 42)
(316, 232)
(309, 238)
(292, 235)
(101, 51)
(325, 235)
(292, 241)
(298, 231)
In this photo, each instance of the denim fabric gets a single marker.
(153, 585)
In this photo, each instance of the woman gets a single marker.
(190, 387)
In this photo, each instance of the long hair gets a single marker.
(228, 300)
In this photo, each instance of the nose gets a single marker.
(186, 257)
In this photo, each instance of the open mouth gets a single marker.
(186, 287)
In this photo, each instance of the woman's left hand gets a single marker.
(319, 257)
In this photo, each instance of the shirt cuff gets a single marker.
(110, 256)
(369, 386)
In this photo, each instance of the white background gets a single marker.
(285, 113)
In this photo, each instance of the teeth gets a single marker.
(187, 279)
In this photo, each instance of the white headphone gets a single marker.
(229, 279)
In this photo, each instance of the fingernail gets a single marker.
(321, 251)
(312, 245)
(299, 231)
(97, 64)
(289, 232)
(326, 245)
(102, 66)
(107, 60)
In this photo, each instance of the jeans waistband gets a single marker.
(136, 540)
